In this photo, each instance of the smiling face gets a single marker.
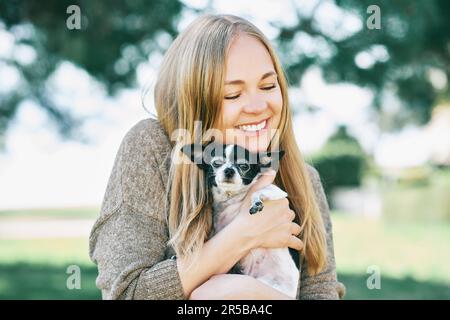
(252, 99)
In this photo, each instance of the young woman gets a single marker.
(151, 238)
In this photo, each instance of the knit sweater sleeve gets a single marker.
(324, 285)
(128, 240)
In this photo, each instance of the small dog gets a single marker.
(230, 171)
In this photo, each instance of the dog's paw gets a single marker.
(257, 206)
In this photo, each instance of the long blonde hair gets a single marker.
(189, 88)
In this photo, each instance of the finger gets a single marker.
(295, 229)
(292, 215)
(265, 179)
(296, 243)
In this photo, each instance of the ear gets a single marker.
(271, 158)
(195, 152)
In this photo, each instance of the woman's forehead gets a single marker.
(247, 58)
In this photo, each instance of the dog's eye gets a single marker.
(217, 163)
(243, 166)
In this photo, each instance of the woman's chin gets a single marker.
(255, 144)
(252, 142)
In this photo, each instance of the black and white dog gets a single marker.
(230, 171)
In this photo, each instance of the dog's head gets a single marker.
(231, 167)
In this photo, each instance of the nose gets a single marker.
(256, 104)
(229, 173)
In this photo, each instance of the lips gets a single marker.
(253, 127)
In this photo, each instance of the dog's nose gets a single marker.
(229, 172)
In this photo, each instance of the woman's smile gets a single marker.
(253, 128)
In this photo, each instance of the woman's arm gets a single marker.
(218, 255)
(128, 242)
(236, 287)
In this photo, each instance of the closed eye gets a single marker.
(244, 167)
(269, 88)
(264, 88)
(217, 163)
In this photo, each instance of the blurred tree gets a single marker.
(115, 36)
(405, 56)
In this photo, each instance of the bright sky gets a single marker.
(38, 170)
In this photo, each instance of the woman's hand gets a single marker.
(235, 287)
(272, 227)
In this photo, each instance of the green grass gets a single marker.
(413, 258)
(36, 269)
(423, 201)
(59, 213)
(420, 251)
(42, 281)
(44, 251)
(393, 288)
(45, 281)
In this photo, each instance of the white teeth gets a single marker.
(253, 127)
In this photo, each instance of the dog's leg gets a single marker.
(257, 204)
(270, 192)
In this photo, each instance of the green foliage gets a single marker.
(414, 37)
(118, 35)
(341, 162)
(115, 36)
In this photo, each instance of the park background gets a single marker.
(371, 113)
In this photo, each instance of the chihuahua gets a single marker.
(230, 171)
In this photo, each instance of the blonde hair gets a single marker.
(189, 88)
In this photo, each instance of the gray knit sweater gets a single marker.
(128, 242)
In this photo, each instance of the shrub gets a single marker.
(341, 162)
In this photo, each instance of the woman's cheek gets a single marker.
(276, 102)
(231, 114)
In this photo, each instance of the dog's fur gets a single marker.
(230, 171)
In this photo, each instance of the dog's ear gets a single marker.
(270, 159)
(195, 152)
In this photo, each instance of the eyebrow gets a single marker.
(265, 75)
